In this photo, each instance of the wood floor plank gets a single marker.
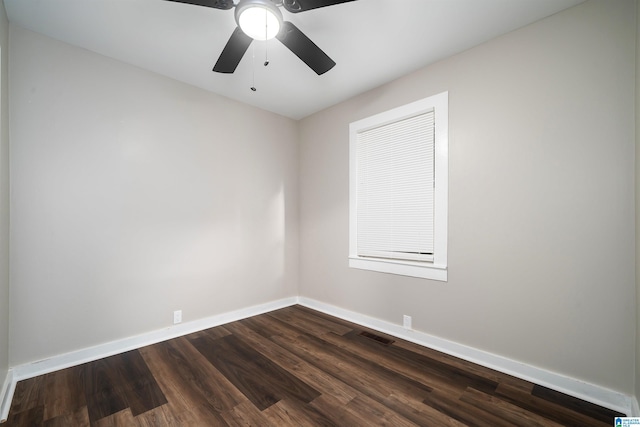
(291, 367)
(190, 378)
(102, 389)
(79, 418)
(550, 410)
(505, 410)
(138, 385)
(327, 317)
(239, 370)
(144, 398)
(156, 417)
(122, 418)
(376, 382)
(453, 361)
(199, 416)
(295, 413)
(342, 414)
(261, 380)
(362, 410)
(28, 394)
(577, 405)
(307, 322)
(322, 381)
(378, 413)
(347, 364)
(265, 346)
(217, 390)
(63, 393)
(217, 332)
(431, 372)
(179, 394)
(265, 327)
(455, 408)
(418, 412)
(32, 417)
(244, 415)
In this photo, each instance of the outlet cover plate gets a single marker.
(177, 317)
(406, 321)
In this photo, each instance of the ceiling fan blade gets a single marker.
(304, 48)
(295, 6)
(216, 4)
(233, 52)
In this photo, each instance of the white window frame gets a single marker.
(436, 269)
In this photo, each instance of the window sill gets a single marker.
(403, 268)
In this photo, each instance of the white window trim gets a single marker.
(436, 270)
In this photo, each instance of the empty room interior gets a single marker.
(151, 207)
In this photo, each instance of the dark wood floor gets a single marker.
(291, 367)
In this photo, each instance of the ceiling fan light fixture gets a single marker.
(259, 19)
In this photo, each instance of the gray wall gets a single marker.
(541, 199)
(134, 195)
(4, 196)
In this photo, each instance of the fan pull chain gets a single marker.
(266, 40)
(253, 67)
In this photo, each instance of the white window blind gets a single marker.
(395, 189)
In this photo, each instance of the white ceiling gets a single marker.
(372, 41)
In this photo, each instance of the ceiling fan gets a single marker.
(262, 20)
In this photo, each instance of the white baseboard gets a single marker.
(74, 358)
(6, 394)
(635, 408)
(589, 392)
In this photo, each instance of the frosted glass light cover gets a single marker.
(259, 23)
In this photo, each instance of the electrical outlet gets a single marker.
(177, 317)
(406, 321)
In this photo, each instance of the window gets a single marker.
(398, 190)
